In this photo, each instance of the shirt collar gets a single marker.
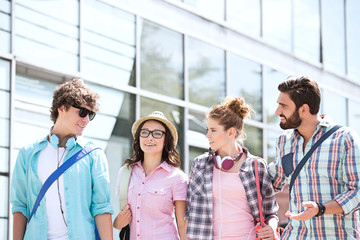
(324, 123)
(164, 165)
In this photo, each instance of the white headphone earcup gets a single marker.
(218, 161)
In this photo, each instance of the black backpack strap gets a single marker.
(308, 154)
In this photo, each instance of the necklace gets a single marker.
(58, 187)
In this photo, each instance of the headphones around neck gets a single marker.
(69, 142)
(226, 162)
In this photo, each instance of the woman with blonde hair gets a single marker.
(222, 193)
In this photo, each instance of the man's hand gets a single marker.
(311, 210)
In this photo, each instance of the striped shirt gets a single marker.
(200, 194)
(331, 173)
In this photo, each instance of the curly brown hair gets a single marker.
(231, 113)
(74, 92)
(169, 154)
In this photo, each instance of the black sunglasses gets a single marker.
(84, 112)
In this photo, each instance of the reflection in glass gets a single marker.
(244, 15)
(210, 8)
(277, 23)
(333, 35)
(4, 182)
(195, 152)
(272, 79)
(4, 104)
(5, 26)
(307, 29)
(334, 107)
(161, 60)
(3, 228)
(271, 145)
(4, 160)
(354, 115)
(47, 33)
(35, 90)
(173, 113)
(119, 144)
(254, 140)
(244, 80)
(353, 38)
(4, 74)
(196, 134)
(109, 43)
(206, 73)
(4, 130)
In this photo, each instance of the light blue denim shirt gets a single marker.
(86, 186)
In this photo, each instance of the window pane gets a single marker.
(206, 73)
(161, 60)
(244, 79)
(4, 130)
(333, 35)
(4, 74)
(119, 145)
(195, 152)
(334, 106)
(3, 228)
(244, 15)
(254, 140)
(5, 25)
(35, 90)
(4, 182)
(196, 135)
(307, 29)
(4, 160)
(354, 115)
(38, 40)
(210, 8)
(272, 79)
(173, 113)
(277, 23)
(353, 38)
(109, 43)
(4, 104)
(271, 142)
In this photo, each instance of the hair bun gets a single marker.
(238, 106)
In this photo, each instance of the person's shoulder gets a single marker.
(250, 159)
(202, 157)
(34, 146)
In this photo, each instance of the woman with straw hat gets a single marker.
(157, 184)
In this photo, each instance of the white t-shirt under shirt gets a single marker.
(47, 164)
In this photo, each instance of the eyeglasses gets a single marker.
(84, 112)
(156, 133)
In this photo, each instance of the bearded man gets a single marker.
(325, 196)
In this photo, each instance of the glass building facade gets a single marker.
(177, 56)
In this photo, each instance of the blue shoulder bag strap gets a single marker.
(57, 173)
(308, 154)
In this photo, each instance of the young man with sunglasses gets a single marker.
(81, 194)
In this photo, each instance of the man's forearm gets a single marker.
(104, 226)
(333, 207)
(19, 226)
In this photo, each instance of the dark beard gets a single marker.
(293, 121)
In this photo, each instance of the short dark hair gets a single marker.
(302, 90)
(74, 92)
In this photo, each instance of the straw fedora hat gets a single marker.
(158, 116)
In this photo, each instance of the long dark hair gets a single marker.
(169, 153)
